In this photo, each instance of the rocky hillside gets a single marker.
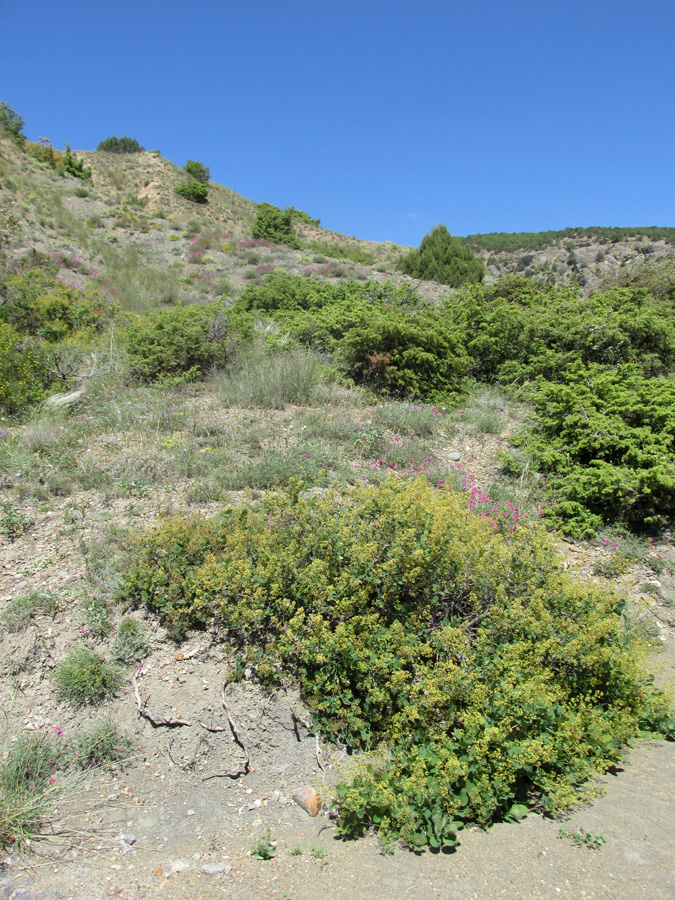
(589, 261)
(127, 229)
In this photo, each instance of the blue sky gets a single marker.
(381, 118)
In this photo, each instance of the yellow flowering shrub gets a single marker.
(487, 678)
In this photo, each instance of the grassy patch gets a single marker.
(85, 678)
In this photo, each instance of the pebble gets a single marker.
(216, 868)
(129, 838)
(454, 456)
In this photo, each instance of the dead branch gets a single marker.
(300, 721)
(166, 722)
(244, 766)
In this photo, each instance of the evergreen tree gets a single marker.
(444, 259)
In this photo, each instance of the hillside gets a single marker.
(278, 521)
(129, 215)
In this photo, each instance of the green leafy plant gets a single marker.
(318, 853)
(264, 847)
(194, 191)
(296, 850)
(74, 166)
(458, 647)
(197, 170)
(85, 678)
(12, 523)
(184, 340)
(582, 838)
(11, 123)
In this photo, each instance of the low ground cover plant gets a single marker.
(482, 678)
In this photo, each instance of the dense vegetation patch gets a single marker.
(443, 258)
(45, 326)
(606, 438)
(120, 145)
(383, 335)
(498, 241)
(484, 680)
(274, 224)
(194, 191)
(183, 342)
(198, 171)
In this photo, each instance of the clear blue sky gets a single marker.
(381, 118)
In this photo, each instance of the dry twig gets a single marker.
(166, 722)
(244, 766)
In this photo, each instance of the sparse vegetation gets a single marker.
(130, 645)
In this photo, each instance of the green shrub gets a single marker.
(37, 304)
(606, 441)
(120, 145)
(130, 645)
(24, 375)
(182, 341)
(193, 191)
(75, 167)
(274, 224)
(302, 216)
(84, 677)
(442, 258)
(11, 123)
(463, 653)
(44, 153)
(197, 170)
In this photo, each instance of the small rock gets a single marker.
(179, 656)
(307, 799)
(129, 838)
(190, 812)
(216, 868)
(454, 456)
(179, 865)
